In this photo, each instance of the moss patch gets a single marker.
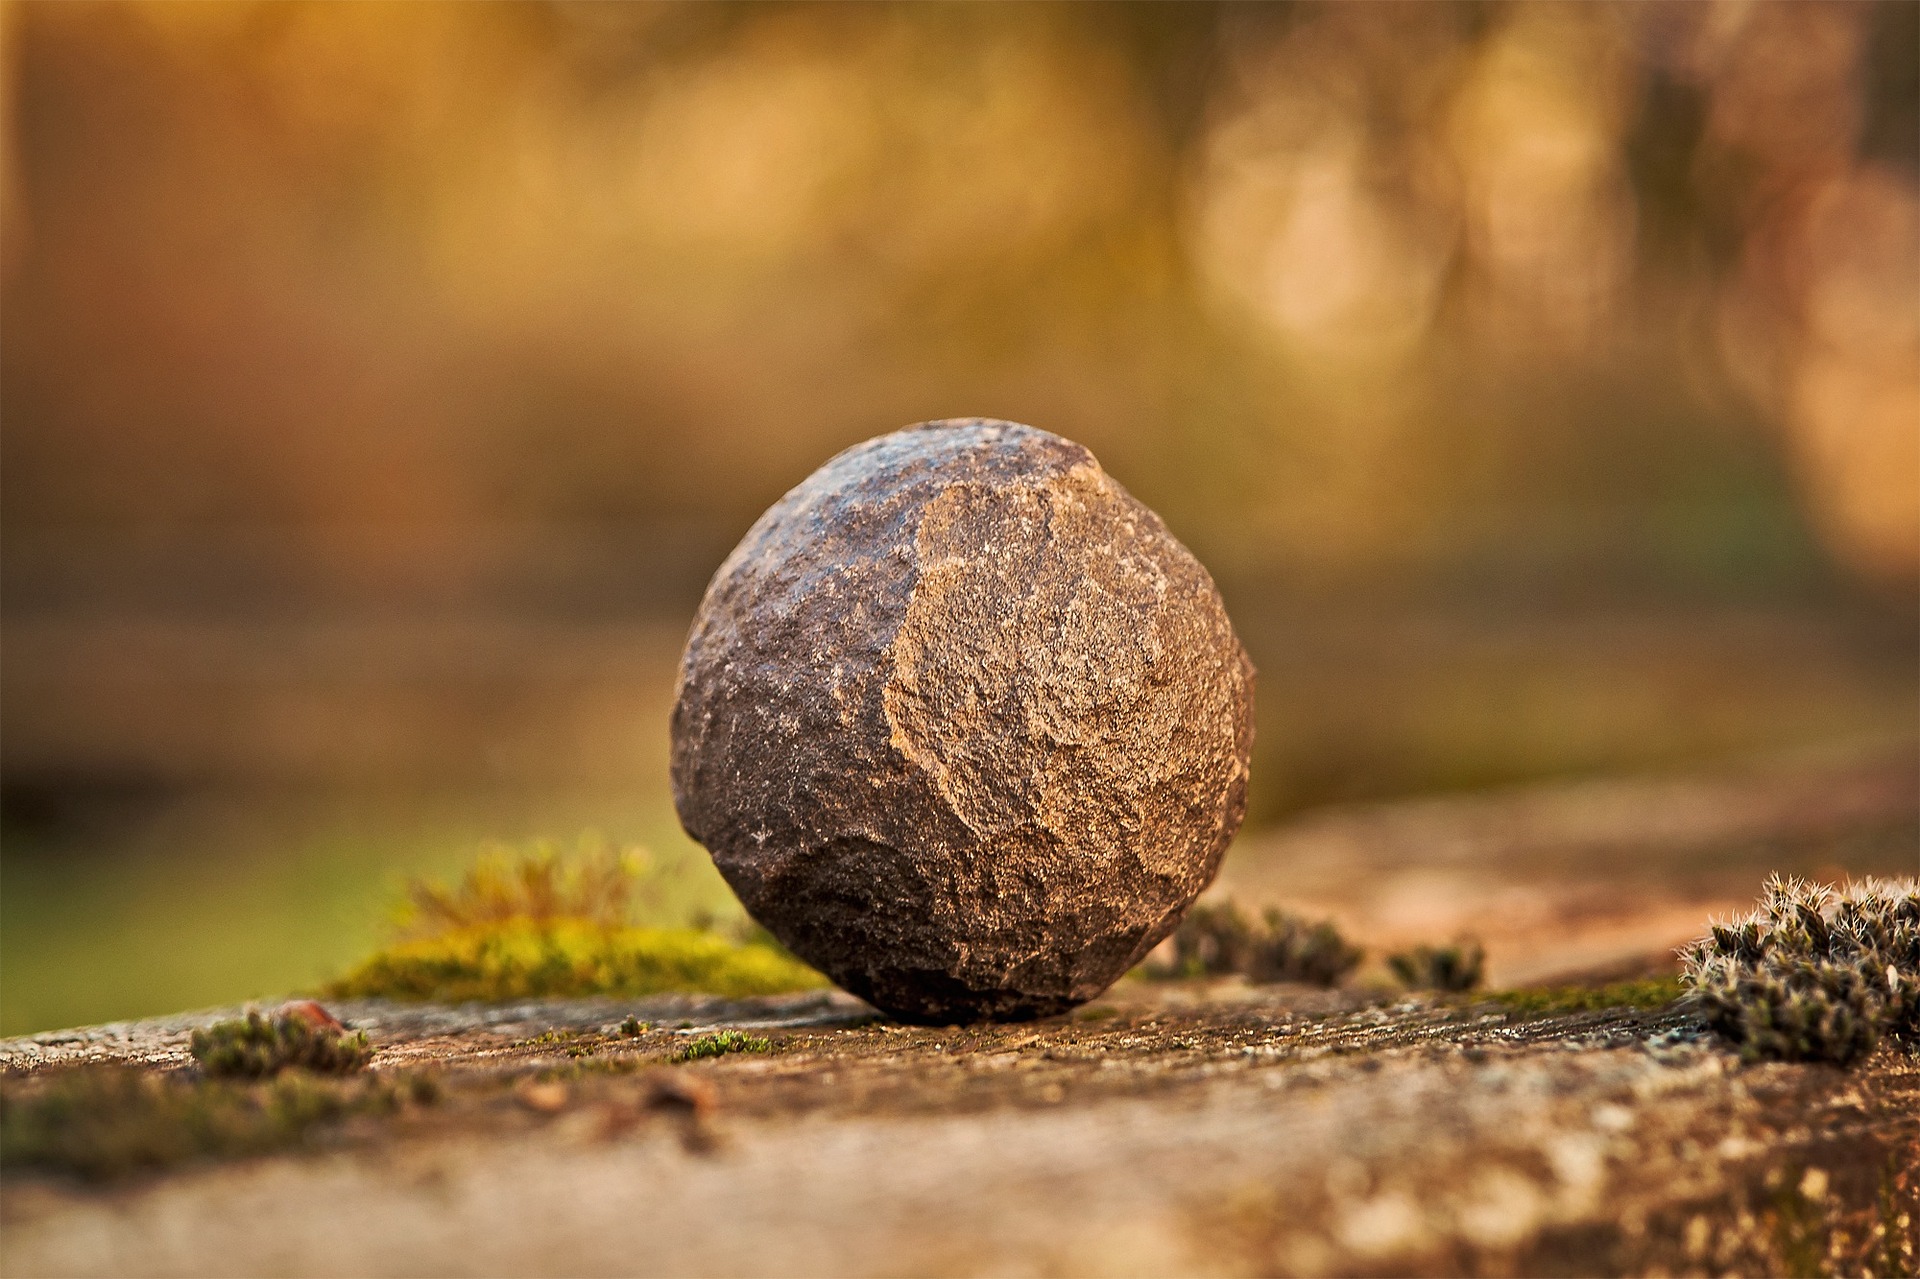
(1814, 974)
(534, 923)
(255, 1046)
(720, 1043)
(1653, 993)
(526, 959)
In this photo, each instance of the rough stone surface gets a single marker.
(963, 724)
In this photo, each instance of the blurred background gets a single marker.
(381, 384)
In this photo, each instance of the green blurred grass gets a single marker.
(274, 896)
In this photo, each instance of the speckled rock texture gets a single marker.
(963, 724)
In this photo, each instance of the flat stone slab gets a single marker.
(1215, 1129)
(1177, 1128)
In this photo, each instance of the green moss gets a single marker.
(720, 1043)
(1658, 992)
(524, 959)
(255, 1046)
(535, 923)
(106, 1122)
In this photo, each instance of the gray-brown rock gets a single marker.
(962, 723)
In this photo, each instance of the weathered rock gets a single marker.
(963, 724)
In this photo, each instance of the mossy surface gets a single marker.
(528, 959)
(101, 1123)
(1653, 993)
(535, 922)
(255, 1046)
(720, 1044)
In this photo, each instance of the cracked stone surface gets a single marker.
(963, 724)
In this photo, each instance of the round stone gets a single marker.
(962, 724)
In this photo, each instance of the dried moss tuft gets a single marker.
(1215, 941)
(1461, 965)
(1813, 974)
